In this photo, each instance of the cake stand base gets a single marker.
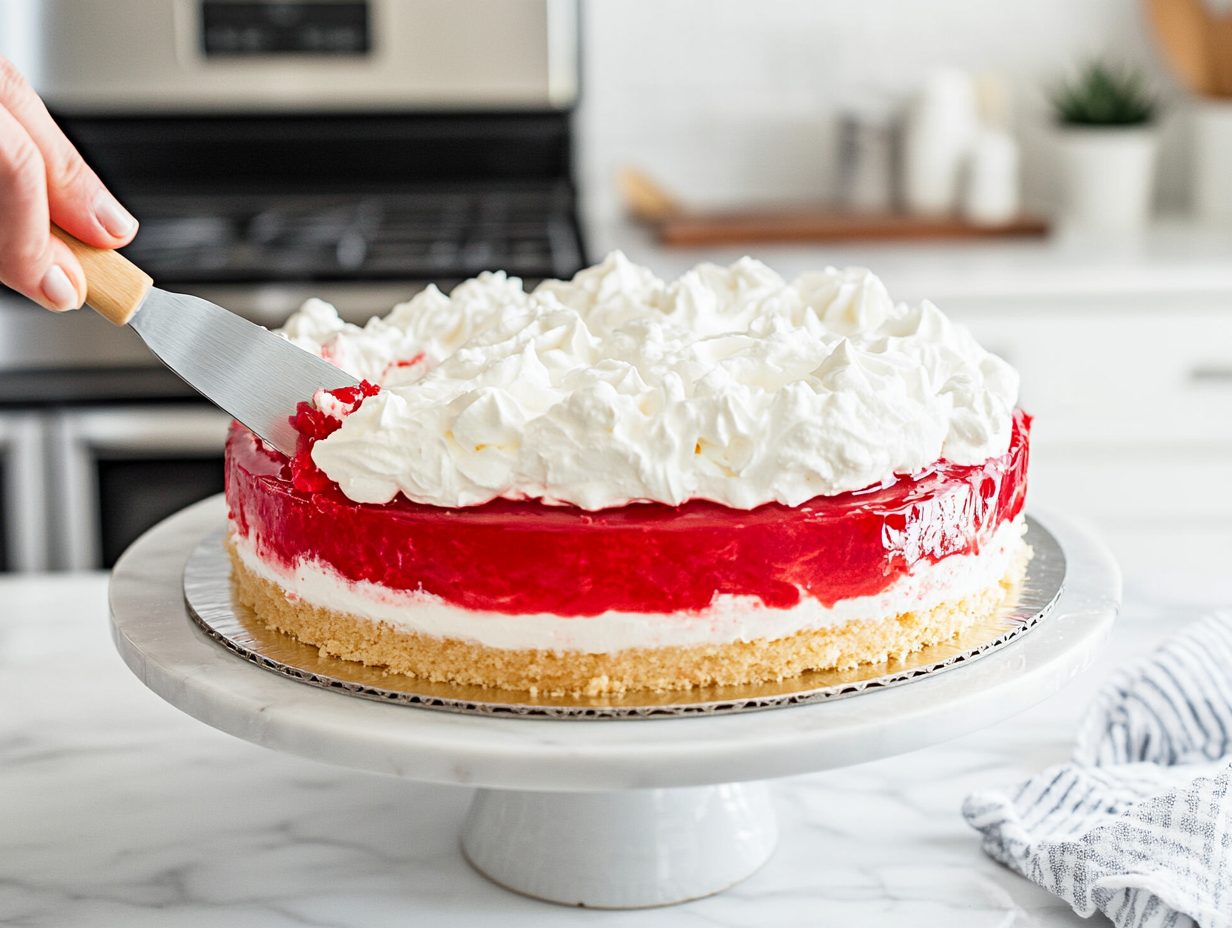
(621, 850)
(598, 813)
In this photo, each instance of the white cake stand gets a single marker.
(609, 814)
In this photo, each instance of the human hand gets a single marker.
(44, 180)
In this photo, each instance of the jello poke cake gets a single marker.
(617, 483)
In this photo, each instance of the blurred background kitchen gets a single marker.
(1057, 174)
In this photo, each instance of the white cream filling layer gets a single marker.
(727, 620)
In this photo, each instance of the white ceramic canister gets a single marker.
(1107, 178)
(1212, 177)
(990, 195)
(941, 125)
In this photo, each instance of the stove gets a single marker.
(341, 198)
(272, 151)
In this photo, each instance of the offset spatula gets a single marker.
(249, 372)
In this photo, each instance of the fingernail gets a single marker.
(58, 289)
(114, 217)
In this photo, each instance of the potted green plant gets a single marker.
(1108, 146)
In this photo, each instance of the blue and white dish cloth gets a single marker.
(1139, 824)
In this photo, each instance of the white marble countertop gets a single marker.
(119, 810)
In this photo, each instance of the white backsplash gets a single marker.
(734, 101)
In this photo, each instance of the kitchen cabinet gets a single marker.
(1132, 396)
(1149, 371)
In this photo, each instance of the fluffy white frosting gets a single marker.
(728, 384)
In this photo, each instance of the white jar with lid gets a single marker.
(941, 126)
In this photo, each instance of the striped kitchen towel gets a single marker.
(1139, 824)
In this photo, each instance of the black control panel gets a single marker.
(232, 29)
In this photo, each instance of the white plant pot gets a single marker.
(1212, 180)
(1108, 179)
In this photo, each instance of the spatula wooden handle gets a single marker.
(115, 286)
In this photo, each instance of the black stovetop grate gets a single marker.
(436, 234)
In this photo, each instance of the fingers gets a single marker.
(78, 201)
(32, 262)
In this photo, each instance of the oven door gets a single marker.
(121, 470)
(23, 500)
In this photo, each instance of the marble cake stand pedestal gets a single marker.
(608, 814)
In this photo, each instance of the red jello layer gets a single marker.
(526, 557)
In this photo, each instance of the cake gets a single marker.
(615, 483)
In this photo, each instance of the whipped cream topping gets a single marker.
(728, 384)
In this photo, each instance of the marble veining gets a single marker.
(119, 810)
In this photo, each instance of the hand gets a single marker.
(44, 180)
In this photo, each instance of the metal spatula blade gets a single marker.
(256, 376)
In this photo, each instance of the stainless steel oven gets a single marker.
(24, 499)
(349, 149)
(120, 469)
